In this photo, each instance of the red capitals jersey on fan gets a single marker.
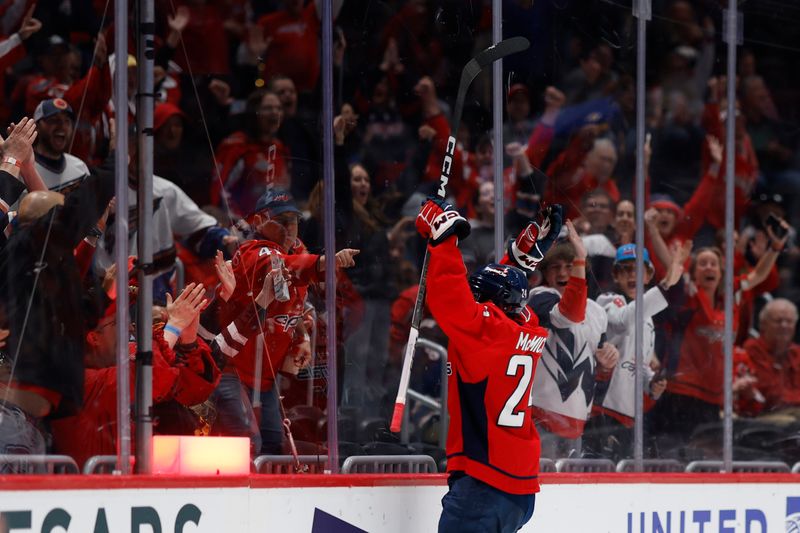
(250, 264)
(247, 169)
(491, 364)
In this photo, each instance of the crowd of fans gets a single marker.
(238, 199)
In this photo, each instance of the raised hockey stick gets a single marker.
(482, 60)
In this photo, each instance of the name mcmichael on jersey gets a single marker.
(527, 343)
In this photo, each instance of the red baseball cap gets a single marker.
(163, 112)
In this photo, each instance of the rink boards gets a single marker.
(626, 503)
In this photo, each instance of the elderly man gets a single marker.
(775, 358)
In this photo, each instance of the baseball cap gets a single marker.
(627, 252)
(665, 201)
(163, 112)
(275, 202)
(53, 106)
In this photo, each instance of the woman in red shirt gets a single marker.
(253, 160)
(695, 359)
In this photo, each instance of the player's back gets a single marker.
(492, 436)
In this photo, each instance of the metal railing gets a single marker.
(104, 464)
(585, 465)
(389, 464)
(440, 405)
(739, 466)
(285, 464)
(651, 465)
(38, 464)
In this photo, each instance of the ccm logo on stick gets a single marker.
(447, 165)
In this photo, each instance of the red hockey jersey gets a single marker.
(491, 364)
(250, 265)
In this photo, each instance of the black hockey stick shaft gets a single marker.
(471, 70)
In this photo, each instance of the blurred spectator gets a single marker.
(296, 135)
(253, 160)
(519, 125)
(413, 28)
(183, 373)
(174, 215)
(204, 37)
(291, 41)
(176, 159)
(677, 145)
(775, 359)
(45, 313)
(587, 163)
(478, 250)
(774, 141)
(361, 225)
(12, 49)
(614, 408)
(694, 360)
(61, 66)
(252, 372)
(575, 351)
(598, 210)
(593, 78)
(61, 171)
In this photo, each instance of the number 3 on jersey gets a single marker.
(513, 415)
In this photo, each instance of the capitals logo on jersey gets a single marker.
(287, 322)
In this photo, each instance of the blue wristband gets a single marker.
(172, 329)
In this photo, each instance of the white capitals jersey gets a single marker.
(564, 382)
(620, 395)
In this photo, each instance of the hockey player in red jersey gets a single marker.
(495, 341)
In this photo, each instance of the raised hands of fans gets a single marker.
(528, 249)
(185, 310)
(715, 150)
(515, 149)
(778, 235)
(344, 123)
(227, 280)
(437, 220)
(179, 22)
(607, 356)
(554, 99)
(576, 241)
(221, 91)
(680, 253)
(19, 143)
(257, 42)
(29, 24)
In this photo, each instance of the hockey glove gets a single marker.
(437, 220)
(532, 243)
